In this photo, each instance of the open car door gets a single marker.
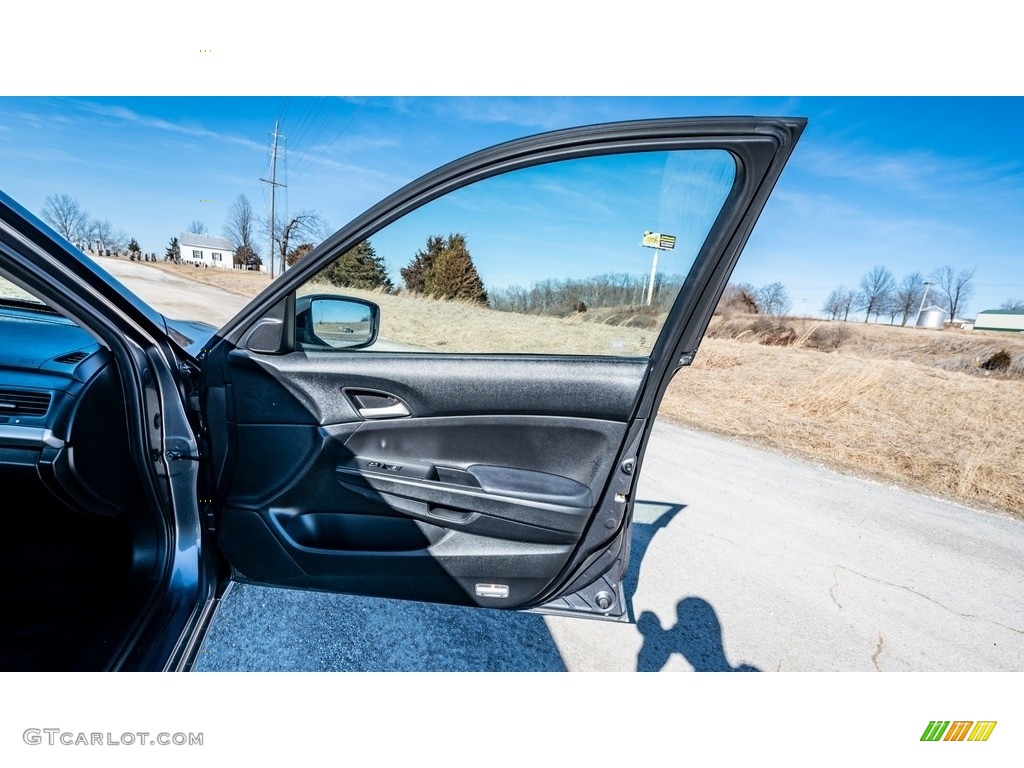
(476, 439)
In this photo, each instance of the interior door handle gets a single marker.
(374, 404)
(395, 411)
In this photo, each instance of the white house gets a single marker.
(207, 251)
(1000, 320)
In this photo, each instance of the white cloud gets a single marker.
(927, 176)
(193, 130)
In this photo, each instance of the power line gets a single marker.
(282, 113)
(323, 126)
(308, 118)
(338, 136)
(305, 148)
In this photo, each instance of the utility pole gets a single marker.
(921, 308)
(274, 184)
(654, 271)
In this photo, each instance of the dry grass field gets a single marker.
(903, 405)
(455, 326)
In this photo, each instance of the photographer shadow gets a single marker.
(697, 633)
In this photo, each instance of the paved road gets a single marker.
(174, 296)
(184, 299)
(743, 560)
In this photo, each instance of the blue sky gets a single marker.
(911, 183)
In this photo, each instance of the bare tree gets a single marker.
(240, 229)
(64, 214)
(846, 302)
(908, 296)
(831, 305)
(1014, 305)
(839, 303)
(955, 287)
(773, 299)
(118, 241)
(876, 289)
(564, 297)
(196, 227)
(891, 308)
(101, 234)
(305, 225)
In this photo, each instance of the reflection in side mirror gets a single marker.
(325, 322)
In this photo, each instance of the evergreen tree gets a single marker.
(452, 275)
(415, 275)
(173, 252)
(446, 270)
(298, 253)
(247, 258)
(360, 267)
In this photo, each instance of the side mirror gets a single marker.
(325, 322)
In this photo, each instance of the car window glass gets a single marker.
(9, 290)
(550, 259)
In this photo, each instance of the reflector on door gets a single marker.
(491, 590)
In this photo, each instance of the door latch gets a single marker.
(181, 456)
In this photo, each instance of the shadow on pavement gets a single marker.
(643, 533)
(697, 635)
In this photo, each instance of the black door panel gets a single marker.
(482, 506)
(308, 387)
(579, 449)
(507, 467)
(458, 568)
(463, 505)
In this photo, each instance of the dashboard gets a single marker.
(62, 416)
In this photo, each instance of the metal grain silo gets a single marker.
(932, 317)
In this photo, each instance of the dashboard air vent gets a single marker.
(15, 403)
(71, 358)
